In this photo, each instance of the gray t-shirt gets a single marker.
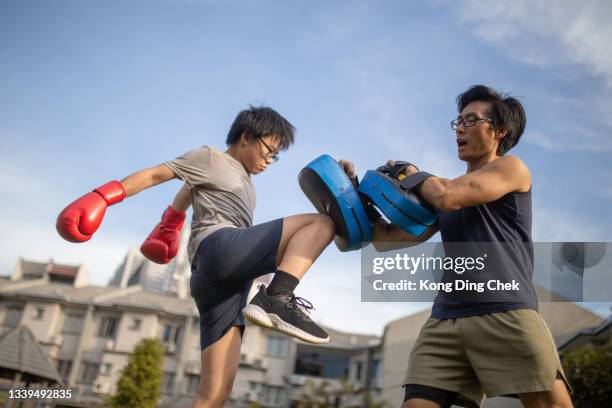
(222, 192)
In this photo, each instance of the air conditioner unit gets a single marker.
(260, 363)
(110, 345)
(170, 347)
(57, 340)
(101, 387)
(297, 380)
(192, 367)
(250, 396)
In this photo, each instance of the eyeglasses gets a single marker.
(270, 155)
(469, 121)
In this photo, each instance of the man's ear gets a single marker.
(501, 133)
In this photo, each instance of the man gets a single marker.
(469, 348)
(226, 251)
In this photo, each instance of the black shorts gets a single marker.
(222, 273)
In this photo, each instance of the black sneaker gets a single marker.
(284, 313)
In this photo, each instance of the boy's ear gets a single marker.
(244, 139)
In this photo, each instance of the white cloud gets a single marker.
(582, 139)
(558, 225)
(35, 196)
(546, 33)
(40, 242)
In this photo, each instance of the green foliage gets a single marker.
(138, 386)
(316, 396)
(589, 372)
(322, 396)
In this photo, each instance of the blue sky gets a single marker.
(93, 91)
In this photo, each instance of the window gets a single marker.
(358, 369)
(171, 334)
(136, 324)
(108, 327)
(177, 334)
(73, 323)
(375, 369)
(328, 365)
(106, 369)
(193, 381)
(167, 383)
(39, 312)
(277, 346)
(273, 395)
(63, 368)
(167, 333)
(89, 373)
(12, 316)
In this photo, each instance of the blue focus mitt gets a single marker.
(331, 192)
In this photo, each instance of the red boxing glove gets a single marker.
(79, 220)
(163, 243)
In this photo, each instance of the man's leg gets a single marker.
(219, 366)
(558, 397)
(420, 403)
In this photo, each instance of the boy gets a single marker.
(226, 251)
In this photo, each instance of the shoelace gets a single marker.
(304, 306)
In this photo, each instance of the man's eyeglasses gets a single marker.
(270, 155)
(469, 121)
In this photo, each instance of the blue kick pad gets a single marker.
(400, 206)
(328, 188)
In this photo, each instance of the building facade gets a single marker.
(89, 333)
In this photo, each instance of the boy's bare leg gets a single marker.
(219, 367)
(303, 239)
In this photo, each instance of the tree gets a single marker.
(316, 396)
(321, 396)
(139, 383)
(588, 370)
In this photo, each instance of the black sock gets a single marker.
(282, 283)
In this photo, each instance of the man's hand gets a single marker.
(406, 171)
(348, 167)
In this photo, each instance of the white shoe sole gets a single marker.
(257, 315)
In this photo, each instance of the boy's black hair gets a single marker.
(261, 121)
(505, 111)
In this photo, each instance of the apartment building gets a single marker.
(89, 333)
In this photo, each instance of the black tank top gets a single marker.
(503, 228)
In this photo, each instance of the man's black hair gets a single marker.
(505, 111)
(260, 121)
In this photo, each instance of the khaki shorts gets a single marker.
(504, 353)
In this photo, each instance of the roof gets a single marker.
(134, 296)
(589, 332)
(19, 351)
(348, 340)
(39, 268)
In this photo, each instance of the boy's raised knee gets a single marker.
(327, 226)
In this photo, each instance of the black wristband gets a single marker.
(396, 169)
(413, 181)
